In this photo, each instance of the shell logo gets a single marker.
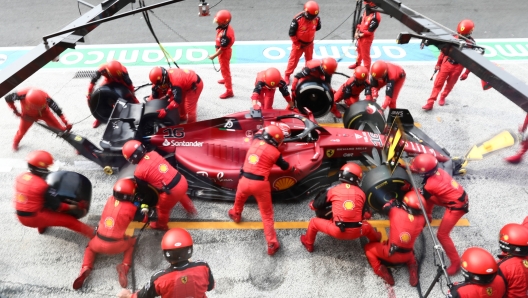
(284, 183)
(116, 203)
(20, 198)
(454, 184)
(109, 222)
(405, 237)
(525, 263)
(146, 157)
(253, 159)
(186, 71)
(348, 205)
(422, 169)
(464, 264)
(163, 168)
(411, 217)
(246, 140)
(347, 186)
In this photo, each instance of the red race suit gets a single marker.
(172, 186)
(350, 90)
(35, 210)
(260, 159)
(181, 280)
(225, 38)
(302, 34)
(515, 271)
(348, 202)
(495, 289)
(442, 190)
(30, 113)
(366, 27)
(312, 70)
(394, 81)
(184, 91)
(404, 230)
(265, 95)
(123, 79)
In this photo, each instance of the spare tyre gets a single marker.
(70, 188)
(103, 99)
(380, 186)
(365, 115)
(316, 96)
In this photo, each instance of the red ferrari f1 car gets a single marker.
(210, 153)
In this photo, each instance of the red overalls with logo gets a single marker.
(347, 206)
(367, 26)
(189, 279)
(394, 82)
(350, 90)
(157, 171)
(312, 70)
(495, 289)
(404, 230)
(260, 159)
(442, 190)
(225, 38)
(265, 95)
(110, 238)
(29, 204)
(123, 79)
(515, 271)
(191, 86)
(302, 34)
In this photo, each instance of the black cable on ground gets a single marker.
(419, 263)
(133, 277)
(215, 4)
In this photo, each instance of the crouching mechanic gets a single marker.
(265, 84)
(483, 278)
(442, 190)
(350, 90)
(513, 262)
(260, 158)
(36, 210)
(390, 75)
(348, 210)
(183, 278)
(406, 224)
(110, 238)
(35, 104)
(155, 170)
(183, 88)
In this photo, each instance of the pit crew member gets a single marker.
(315, 69)
(513, 262)
(265, 84)
(225, 38)
(350, 90)
(524, 145)
(364, 35)
(390, 75)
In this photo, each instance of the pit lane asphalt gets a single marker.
(46, 265)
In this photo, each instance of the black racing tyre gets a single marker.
(365, 115)
(103, 99)
(145, 193)
(70, 188)
(150, 121)
(380, 187)
(316, 96)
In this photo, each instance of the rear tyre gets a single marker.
(380, 187)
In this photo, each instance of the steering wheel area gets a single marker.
(309, 127)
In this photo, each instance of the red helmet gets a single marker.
(272, 77)
(368, 3)
(273, 135)
(513, 239)
(133, 151)
(177, 245)
(465, 27)
(478, 265)
(351, 173)
(285, 128)
(311, 9)
(222, 18)
(37, 99)
(158, 76)
(361, 73)
(39, 162)
(329, 66)
(379, 69)
(411, 202)
(125, 190)
(114, 69)
(424, 164)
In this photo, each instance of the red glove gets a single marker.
(311, 205)
(256, 107)
(463, 76)
(349, 102)
(367, 215)
(288, 98)
(162, 113)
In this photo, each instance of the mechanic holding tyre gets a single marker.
(112, 72)
(35, 104)
(390, 75)
(110, 238)
(442, 190)
(260, 158)
(182, 87)
(265, 84)
(36, 210)
(364, 35)
(318, 69)
(155, 170)
(406, 224)
(183, 278)
(348, 210)
(302, 33)
(350, 90)
(225, 38)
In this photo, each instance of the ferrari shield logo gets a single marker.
(184, 280)
(525, 263)
(330, 152)
(489, 291)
